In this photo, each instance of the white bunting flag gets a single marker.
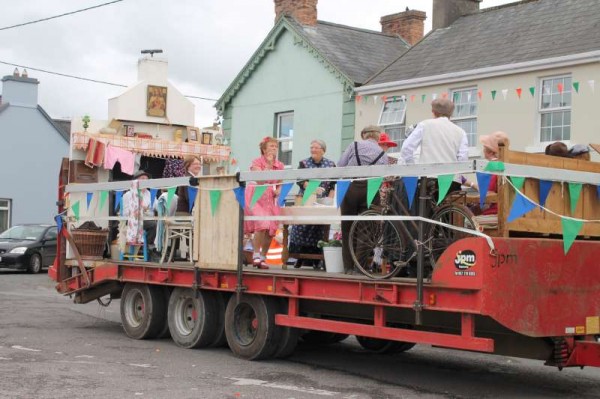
(374, 99)
(469, 97)
(434, 96)
(504, 93)
(592, 84)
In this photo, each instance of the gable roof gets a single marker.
(352, 54)
(517, 32)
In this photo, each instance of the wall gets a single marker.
(288, 79)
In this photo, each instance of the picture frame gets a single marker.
(207, 138)
(193, 134)
(156, 101)
(129, 130)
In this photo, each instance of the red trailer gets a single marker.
(506, 295)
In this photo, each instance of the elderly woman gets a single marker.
(304, 238)
(266, 205)
(192, 167)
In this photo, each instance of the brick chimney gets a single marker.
(303, 11)
(445, 12)
(408, 24)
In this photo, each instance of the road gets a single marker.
(52, 348)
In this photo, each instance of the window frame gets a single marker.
(8, 209)
(396, 124)
(280, 140)
(475, 117)
(541, 111)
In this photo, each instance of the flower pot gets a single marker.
(333, 259)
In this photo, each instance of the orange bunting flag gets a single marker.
(560, 87)
(519, 91)
(480, 94)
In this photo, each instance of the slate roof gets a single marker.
(65, 126)
(516, 32)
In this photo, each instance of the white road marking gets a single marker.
(85, 356)
(146, 366)
(252, 382)
(5, 358)
(22, 348)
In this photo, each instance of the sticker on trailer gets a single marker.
(464, 261)
(570, 330)
(592, 324)
(580, 330)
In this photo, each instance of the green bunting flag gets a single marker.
(494, 166)
(444, 182)
(103, 198)
(372, 189)
(532, 91)
(75, 209)
(570, 229)
(170, 194)
(494, 94)
(215, 197)
(517, 182)
(574, 193)
(576, 86)
(311, 186)
(258, 192)
(423, 97)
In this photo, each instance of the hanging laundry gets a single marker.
(124, 157)
(95, 153)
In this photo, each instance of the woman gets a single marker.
(193, 167)
(304, 238)
(265, 206)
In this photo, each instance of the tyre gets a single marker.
(289, 336)
(383, 345)
(143, 310)
(192, 318)
(220, 337)
(323, 337)
(250, 326)
(35, 264)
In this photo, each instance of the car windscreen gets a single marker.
(23, 233)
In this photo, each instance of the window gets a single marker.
(285, 135)
(465, 112)
(555, 109)
(392, 119)
(4, 214)
(51, 234)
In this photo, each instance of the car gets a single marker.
(28, 247)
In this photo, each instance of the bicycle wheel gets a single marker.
(438, 238)
(376, 246)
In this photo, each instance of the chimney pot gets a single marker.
(303, 11)
(16, 73)
(407, 24)
(24, 74)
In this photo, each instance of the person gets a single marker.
(385, 143)
(580, 151)
(193, 168)
(263, 230)
(149, 226)
(388, 185)
(360, 153)
(304, 238)
(557, 149)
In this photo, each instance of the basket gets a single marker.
(90, 243)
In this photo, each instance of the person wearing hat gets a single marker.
(580, 151)
(149, 225)
(385, 143)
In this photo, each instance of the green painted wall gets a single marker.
(289, 78)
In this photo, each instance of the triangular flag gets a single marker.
(546, 90)
(410, 184)
(258, 192)
(480, 94)
(520, 207)
(341, 187)
(434, 96)
(532, 91)
(504, 93)
(574, 193)
(423, 97)
(59, 223)
(89, 197)
(118, 200)
(444, 95)
(444, 182)
(366, 99)
(75, 209)
(494, 94)
(384, 98)
(192, 193)
(571, 229)
(373, 185)
(394, 98)
(153, 192)
(240, 196)
(412, 98)
(358, 98)
(233, 161)
(311, 186)
(560, 87)
(519, 92)
(170, 194)
(103, 198)
(483, 181)
(375, 99)
(576, 87)
(494, 166)
(456, 96)
(517, 182)
(215, 196)
(545, 187)
(469, 96)
(283, 192)
(592, 84)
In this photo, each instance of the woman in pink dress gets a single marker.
(266, 205)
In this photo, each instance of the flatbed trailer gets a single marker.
(519, 297)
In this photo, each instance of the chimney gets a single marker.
(303, 11)
(445, 12)
(153, 70)
(408, 25)
(20, 90)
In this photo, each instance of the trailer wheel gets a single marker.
(383, 345)
(289, 336)
(143, 310)
(220, 338)
(192, 318)
(323, 337)
(250, 327)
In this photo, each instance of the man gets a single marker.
(360, 153)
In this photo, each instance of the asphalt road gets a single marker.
(52, 348)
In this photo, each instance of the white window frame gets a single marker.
(8, 209)
(398, 123)
(567, 88)
(284, 142)
(472, 146)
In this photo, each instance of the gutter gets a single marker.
(482, 73)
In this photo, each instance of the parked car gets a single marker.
(28, 247)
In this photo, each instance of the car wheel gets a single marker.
(35, 264)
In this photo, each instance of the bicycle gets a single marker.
(380, 249)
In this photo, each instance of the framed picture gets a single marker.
(129, 130)
(206, 138)
(192, 133)
(156, 102)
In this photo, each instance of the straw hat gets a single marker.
(490, 141)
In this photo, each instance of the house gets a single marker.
(32, 147)
(528, 68)
(299, 84)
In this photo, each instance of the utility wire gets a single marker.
(61, 15)
(88, 79)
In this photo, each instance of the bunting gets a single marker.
(192, 193)
(119, 201)
(240, 196)
(88, 198)
(519, 92)
(283, 192)
(215, 197)
(532, 91)
(576, 87)
(75, 209)
(410, 184)
(520, 207)
(571, 229)
(59, 223)
(170, 195)
(483, 182)
(341, 188)
(574, 193)
(311, 187)
(103, 198)
(494, 94)
(517, 181)
(545, 187)
(258, 192)
(153, 192)
(444, 182)
(373, 185)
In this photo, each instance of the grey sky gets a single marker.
(206, 42)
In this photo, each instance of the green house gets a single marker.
(299, 86)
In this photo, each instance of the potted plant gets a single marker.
(332, 252)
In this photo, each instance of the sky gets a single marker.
(206, 42)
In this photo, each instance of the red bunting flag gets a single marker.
(412, 98)
(480, 94)
(384, 98)
(358, 98)
(560, 87)
(233, 161)
(519, 91)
